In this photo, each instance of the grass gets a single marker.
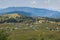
(25, 32)
(33, 35)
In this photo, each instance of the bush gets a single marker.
(3, 35)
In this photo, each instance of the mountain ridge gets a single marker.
(28, 11)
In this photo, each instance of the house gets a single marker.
(41, 21)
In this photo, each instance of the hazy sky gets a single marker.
(50, 4)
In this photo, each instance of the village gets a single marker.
(35, 26)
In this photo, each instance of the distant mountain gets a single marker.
(31, 12)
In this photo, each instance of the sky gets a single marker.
(48, 4)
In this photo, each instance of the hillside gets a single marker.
(22, 27)
(15, 18)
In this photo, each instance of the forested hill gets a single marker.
(15, 18)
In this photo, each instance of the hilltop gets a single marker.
(11, 15)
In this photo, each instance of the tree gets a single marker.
(3, 35)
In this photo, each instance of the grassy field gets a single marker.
(33, 31)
